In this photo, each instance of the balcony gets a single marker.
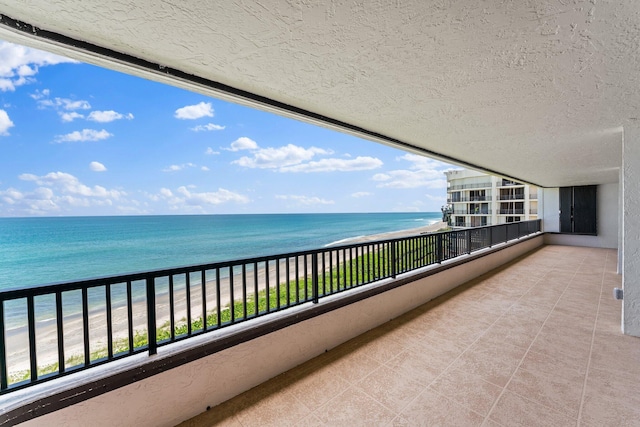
(466, 186)
(517, 196)
(511, 211)
(509, 183)
(535, 343)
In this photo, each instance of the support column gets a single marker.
(630, 201)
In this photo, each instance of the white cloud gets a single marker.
(306, 200)
(243, 143)
(69, 184)
(204, 168)
(336, 165)
(97, 167)
(183, 196)
(175, 168)
(84, 135)
(69, 117)
(361, 194)
(107, 116)
(272, 158)
(210, 151)
(5, 123)
(207, 127)
(422, 172)
(64, 104)
(192, 112)
(18, 64)
(38, 202)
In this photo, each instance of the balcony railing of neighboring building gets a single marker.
(471, 225)
(212, 296)
(533, 211)
(518, 196)
(511, 211)
(533, 196)
(472, 212)
(508, 183)
(465, 186)
(475, 199)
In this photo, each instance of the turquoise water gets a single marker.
(37, 251)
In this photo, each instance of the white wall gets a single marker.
(176, 395)
(607, 214)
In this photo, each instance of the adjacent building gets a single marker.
(477, 199)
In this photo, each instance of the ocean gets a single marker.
(36, 251)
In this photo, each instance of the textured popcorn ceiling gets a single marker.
(538, 90)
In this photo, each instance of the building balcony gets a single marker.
(536, 343)
(466, 186)
(472, 212)
(519, 196)
(509, 183)
(511, 211)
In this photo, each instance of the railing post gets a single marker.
(151, 316)
(468, 241)
(392, 261)
(314, 277)
(439, 247)
(3, 353)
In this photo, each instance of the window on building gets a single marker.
(578, 210)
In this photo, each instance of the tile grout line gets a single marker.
(593, 336)
(529, 348)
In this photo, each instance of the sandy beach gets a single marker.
(17, 343)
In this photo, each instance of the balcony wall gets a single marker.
(183, 392)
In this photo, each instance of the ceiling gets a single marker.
(535, 90)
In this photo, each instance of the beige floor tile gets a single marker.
(311, 421)
(390, 389)
(562, 393)
(316, 386)
(432, 409)
(615, 385)
(420, 366)
(271, 409)
(492, 362)
(353, 407)
(601, 410)
(468, 390)
(514, 410)
(560, 364)
(513, 330)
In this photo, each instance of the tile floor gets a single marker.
(534, 343)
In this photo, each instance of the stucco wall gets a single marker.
(181, 393)
(607, 213)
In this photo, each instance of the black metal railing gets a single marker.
(63, 328)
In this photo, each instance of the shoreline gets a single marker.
(17, 345)
(432, 228)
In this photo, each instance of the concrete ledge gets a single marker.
(183, 380)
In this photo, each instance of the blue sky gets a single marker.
(76, 139)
